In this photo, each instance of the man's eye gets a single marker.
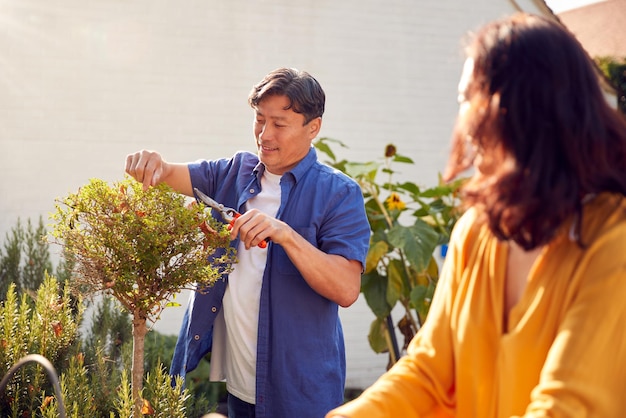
(279, 125)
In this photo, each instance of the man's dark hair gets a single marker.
(303, 91)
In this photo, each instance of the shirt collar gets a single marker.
(298, 171)
(258, 170)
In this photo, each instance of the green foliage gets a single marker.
(90, 382)
(107, 347)
(615, 70)
(110, 329)
(140, 246)
(211, 393)
(76, 390)
(165, 399)
(97, 390)
(24, 258)
(407, 223)
(159, 350)
(50, 329)
(124, 402)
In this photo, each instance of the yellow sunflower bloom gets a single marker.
(394, 202)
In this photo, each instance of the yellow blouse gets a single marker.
(565, 353)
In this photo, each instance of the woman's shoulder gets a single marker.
(603, 218)
(470, 237)
(470, 223)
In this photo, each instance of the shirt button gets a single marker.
(214, 309)
(196, 337)
(251, 190)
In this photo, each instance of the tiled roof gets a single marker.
(600, 27)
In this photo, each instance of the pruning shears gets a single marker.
(228, 214)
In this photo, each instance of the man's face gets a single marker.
(282, 139)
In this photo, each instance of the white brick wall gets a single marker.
(84, 83)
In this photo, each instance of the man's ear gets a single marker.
(314, 127)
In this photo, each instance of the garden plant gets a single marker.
(408, 224)
(614, 69)
(141, 247)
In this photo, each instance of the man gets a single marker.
(272, 326)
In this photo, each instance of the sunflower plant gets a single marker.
(408, 224)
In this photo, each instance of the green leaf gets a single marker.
(365, 170)
(418, 293)
(437, 206)
(395, 282)
(417, 242)
(323, 147)
(436, 191)
(402, 159)
(326, 139)
(421, 212)
(376, 219)
(374, 254)
(374, 288)
(409, 187)
(377, 336)
(421, 297)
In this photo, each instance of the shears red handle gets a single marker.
(229, 214)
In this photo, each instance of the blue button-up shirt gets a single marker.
(301, 366)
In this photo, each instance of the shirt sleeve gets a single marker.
(421, 384)
(345, 230)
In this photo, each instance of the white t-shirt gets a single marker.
(241, 301)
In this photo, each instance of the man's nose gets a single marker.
(266, 133)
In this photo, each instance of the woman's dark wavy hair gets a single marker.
(303, 91)
(535, 93)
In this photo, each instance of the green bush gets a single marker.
(93, 366)
(140, 247)
(24, 258)
(49, 329)
(99, 389)
(615, 70)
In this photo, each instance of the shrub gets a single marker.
(46, 320)
(24, 258)
(141, 247)
(49, 329)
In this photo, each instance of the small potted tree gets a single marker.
(141, 247)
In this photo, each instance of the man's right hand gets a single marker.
(149, 168)
(146, 167)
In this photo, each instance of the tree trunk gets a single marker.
(139, 337)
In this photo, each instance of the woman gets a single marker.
(529, 317)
